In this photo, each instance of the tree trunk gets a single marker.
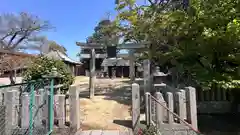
(11, 75)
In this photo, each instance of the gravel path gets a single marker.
(110, 108)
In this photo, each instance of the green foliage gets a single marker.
(42, 66)
(105, 33)
(199, 46)
(151, 130)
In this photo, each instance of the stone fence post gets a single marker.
(159, 109)
(135, 105)
(191, 106)
(11, 121)
(74, 108)
(25, 110)
(60, 109)
(147, 108)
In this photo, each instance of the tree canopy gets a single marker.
(105, 33)
(21, 31)
(55, 46)
(197, 41)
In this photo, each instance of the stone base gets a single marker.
(42, 131)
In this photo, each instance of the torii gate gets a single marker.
(92, 46)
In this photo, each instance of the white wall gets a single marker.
(6, 80)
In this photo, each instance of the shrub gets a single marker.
(43, 66)
(151, 130)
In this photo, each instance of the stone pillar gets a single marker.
(184, 104)
(92, 74)
(159, 109)
(11, 112)
(191, 106)
(39, 102)
(45, 107)
(25, 111)
(74, 108)
(132, 65)
(148, 108)
(170, 107)
(146, 75)
(135, 105)
(60, 109)
(61, 113)
(180, 110)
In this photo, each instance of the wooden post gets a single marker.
(191, 106)
(135, 105)
(224, 95)
(92, 74)
(219, 93)
(201, 95)
(208, 95)
(74, 108)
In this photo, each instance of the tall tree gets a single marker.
(197, 42)
(105, 33)
(21, 31)
(55, 46)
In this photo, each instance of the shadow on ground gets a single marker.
(128, 123)
(125, 123)
(121, 93)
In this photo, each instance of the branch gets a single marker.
(19, 41)
(26, 34)
(150, 1)
(12, 38)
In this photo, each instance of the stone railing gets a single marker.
(15, 111)
(176, 113)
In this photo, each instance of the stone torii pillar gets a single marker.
(92, 73)
(132, 65)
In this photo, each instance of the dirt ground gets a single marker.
(110, 108)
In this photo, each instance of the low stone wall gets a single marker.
(214, 107)
(15, 112)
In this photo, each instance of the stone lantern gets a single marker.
(158, 80)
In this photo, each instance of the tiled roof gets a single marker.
(10, 60)
(55, 54)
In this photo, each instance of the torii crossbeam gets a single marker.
(92, 46)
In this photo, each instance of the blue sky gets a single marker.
(74, 19)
